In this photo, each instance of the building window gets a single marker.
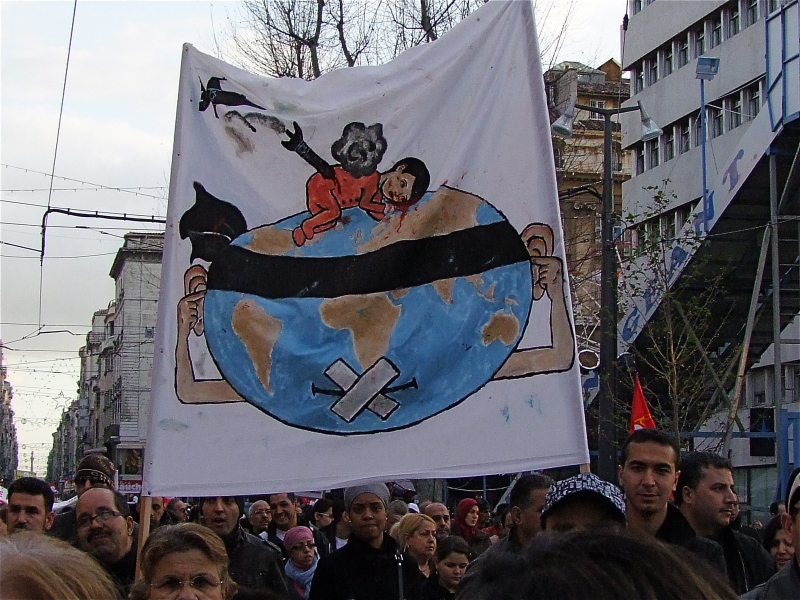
(716, 32)
(759, 389)
(638, 79)
(716, 122)
(774, 5)
(754, 102)
(616, 163)
(667, 60)
(734, 112)
(652, 70)
(636, 6)
(669, 144)
(683, 51)
(668, 225)
(681, 216)
(558, 158)
(698, 131)
(596, 104)
(651, 149)
(639, 152)
(684, 141)
(733, 20)
(752, 12)
(699, 42)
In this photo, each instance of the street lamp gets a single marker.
(707, 67)
(606, 460)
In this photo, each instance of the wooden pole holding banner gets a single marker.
(145, 509)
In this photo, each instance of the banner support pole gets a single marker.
(145, 509)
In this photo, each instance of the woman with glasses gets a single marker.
(302, 562)
(184, 556)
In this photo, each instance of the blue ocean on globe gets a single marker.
(437, 343)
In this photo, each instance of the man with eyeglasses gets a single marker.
(105, 530)
(94, 470)
(30, 505)
(260, 517)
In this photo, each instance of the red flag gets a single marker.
(640, 414)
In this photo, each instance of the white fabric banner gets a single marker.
(363, 275)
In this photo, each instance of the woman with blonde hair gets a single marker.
(39, 567)
(184, 555)
(416, 535)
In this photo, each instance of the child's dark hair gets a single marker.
(422, 179)
(452, 544)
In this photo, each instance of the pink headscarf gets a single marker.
(462, 510)
(296, 535)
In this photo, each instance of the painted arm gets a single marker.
(548, 274)
(296, 144)
(189, 390)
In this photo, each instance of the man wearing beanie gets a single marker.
(370, 566)
(254, 563)
(95, 470)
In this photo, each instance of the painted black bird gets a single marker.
(212, 94)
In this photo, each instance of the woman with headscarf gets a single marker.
(466, 526)
(302, 562)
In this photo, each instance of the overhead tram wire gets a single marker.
(55, 154)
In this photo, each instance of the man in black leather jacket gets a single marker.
(648, 474)
(706, 497)
(254, 563)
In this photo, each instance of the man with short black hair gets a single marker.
(105, 530)
(177, 510)
(254, 563)
(284, 508)
(30, 506)
(648, 475)
(776, 509)
(370, 566)
(526, 501)
(705, 495)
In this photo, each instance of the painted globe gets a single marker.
(370, 325)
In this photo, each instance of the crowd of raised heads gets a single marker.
(667, 529)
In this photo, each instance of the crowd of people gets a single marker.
(669, 530)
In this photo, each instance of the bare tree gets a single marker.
(306, 38)
(675, 345)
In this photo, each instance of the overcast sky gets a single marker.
(116, 131)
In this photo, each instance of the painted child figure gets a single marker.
(355, 181)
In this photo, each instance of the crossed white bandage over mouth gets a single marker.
(364, 391)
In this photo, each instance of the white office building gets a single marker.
(751, 150)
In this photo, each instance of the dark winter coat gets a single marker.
(360, 572)
(784, 585)
(748, 564)
(676, 530)
(254, 563)
(433, 590)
